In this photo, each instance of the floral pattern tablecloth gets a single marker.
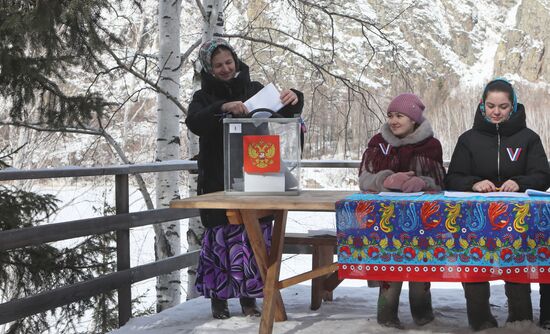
(436, 238)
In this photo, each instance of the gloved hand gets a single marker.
(413, 184)
(396, 180)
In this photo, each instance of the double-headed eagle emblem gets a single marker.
(261, 154)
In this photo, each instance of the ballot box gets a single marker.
(262, 156)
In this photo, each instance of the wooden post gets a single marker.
(322, 255)
(123, 249)
(271, 307)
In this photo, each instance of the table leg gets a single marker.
(273, 307)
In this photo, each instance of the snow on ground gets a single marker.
(353, 310)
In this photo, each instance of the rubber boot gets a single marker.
(519, 301)
(249, 307)
(420, 300)
(388, 304)
(477, 306)
(220, 310)
(544, 319)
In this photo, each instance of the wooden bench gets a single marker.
(322, 249)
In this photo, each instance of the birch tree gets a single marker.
(212, 14)
(167, 235)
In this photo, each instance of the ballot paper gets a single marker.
(268, 98)
(269, 182)
(327, 232)
(398, 194)
(533, 192)
(489, 194)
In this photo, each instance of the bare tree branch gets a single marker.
(154, 85)
(201, 9)
(95, 132)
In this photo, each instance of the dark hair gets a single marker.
(221, 48)
(499, 86)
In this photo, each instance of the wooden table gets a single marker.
(247, 209)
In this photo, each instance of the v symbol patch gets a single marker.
(513, 153)
(385, 149)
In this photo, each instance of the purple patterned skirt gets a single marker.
(227, 267)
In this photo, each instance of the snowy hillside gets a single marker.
(348, 57)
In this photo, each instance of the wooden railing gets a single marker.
(124, 277)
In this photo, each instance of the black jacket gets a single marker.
(204, 119)
(499, 152)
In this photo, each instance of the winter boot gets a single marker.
(420, 300)
(388, 304)
(249, 307)
(519, 301)
(544, 319)
(477, 306)
(220, 310)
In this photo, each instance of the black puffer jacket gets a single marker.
(204, 119)
(499, 152)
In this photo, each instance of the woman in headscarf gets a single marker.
(227, 268)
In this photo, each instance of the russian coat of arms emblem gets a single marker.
(261, 154)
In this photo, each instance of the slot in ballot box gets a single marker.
(262, 156)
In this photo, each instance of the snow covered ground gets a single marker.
(353, 310)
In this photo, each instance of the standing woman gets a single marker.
(482, 162)
(227, 268)
(406, 157)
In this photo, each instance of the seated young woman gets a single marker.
(405, 157)
(500, 153)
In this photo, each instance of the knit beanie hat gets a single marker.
(408, 104)
(207, 49)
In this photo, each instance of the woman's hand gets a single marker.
(236, 108)
(484, 186)
(413, 185)
(289, 97)
(396, 180)
(509, 185)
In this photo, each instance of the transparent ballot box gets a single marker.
(262, 156)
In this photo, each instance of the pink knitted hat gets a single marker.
(408, 104)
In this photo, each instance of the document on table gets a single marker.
(398, 194)
(489, 194)
(533, 192)
(268, 98)
(322, 232)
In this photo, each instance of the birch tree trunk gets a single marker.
(167, 235)
(212, 24)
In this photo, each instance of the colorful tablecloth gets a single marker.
(436, 238)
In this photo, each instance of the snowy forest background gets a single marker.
(348, 57)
